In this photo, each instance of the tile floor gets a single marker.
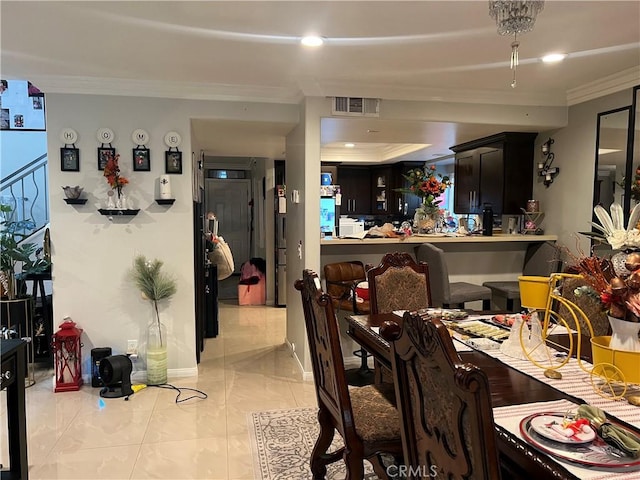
(78, 435)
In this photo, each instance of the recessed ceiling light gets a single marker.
(312, 41)
(554, 57)
(349, 145)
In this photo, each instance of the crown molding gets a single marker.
(164, 89)
(605, 86)
(264, 94)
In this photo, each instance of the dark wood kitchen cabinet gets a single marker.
(383, 198)
(355, 187)
(496, 170)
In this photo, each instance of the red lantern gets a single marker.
(68, 357)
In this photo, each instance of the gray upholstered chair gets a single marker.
(443, 292)
(540, 260)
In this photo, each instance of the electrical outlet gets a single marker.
(132, 347)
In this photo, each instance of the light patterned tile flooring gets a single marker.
(73, 435)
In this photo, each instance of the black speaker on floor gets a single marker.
(97, 354)
(115, 372)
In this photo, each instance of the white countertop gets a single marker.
(440, 238)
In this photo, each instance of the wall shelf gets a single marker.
(75, 201)
(114, 211)
(165, 201)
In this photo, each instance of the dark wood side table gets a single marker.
(12, 376)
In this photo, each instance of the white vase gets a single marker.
(624, 335)
(156, 353)
(165, 187)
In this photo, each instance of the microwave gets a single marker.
(350, 226)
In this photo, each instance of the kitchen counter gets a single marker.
(475, 258)
(439, 238)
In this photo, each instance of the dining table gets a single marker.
(518, 389)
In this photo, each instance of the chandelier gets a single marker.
(515, 17)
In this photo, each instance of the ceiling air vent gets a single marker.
(356, 106)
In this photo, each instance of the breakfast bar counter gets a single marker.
(475, 259)
(438, 238)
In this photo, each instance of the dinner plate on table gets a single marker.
(548, 425)
(594, 453)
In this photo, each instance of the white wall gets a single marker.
(568, 201)
(92, 255)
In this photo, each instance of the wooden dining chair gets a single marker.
(445, 409)
(365, 417)
(398, 283)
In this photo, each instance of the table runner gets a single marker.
(509, 418)
(576, 381)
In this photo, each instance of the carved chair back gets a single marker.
(364, 417)
(445, 405)
(398, 283)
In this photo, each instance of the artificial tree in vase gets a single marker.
(155, 286)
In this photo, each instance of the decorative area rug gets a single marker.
(282, 441)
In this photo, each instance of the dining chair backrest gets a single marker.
(445, 405)
(541, 260)
(324, 348)
(398, 283)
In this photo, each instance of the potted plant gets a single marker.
(14, 253)
(155, 286)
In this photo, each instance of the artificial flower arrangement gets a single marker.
(615, 282)
(112, 173)
(427, 185)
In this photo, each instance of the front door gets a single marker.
(229, 201)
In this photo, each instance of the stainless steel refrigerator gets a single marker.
(281, 245)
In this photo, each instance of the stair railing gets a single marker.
(27, 192)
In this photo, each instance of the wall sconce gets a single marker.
(545, 169)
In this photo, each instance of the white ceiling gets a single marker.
(236, 50)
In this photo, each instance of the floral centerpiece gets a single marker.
(615, 282)
(112, 173)
(429, 187)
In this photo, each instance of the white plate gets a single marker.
(68, 136)
(172, 139)
(543, 425)
(140, 137)
(105, 135)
